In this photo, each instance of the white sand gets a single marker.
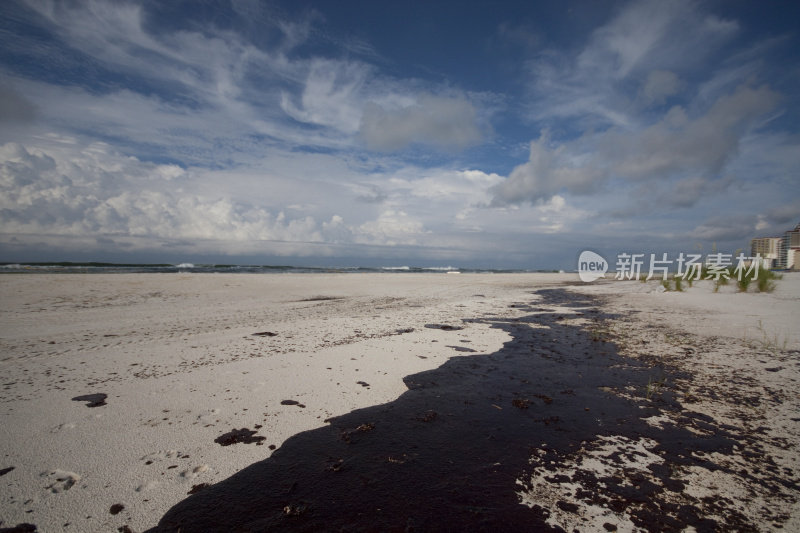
(742, 355)
(750, 316)
(176, 356)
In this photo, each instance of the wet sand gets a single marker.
(395, 402)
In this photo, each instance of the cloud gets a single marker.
(463, 187)
(684, 153)
(188, 89)
(778, 219)
(289, 134)
(687, 192)
(727, 228)
(660, 85)
(371, 195)
(391, 228)
(546, 173)
(331, 96)
(14, 107)
(785, 214)
(679, 144)
(92, 195)
(642, 52)
(651, 33)
(744, 226)
(97, 192)
(203, 93)
(446, 122)
(196, 94)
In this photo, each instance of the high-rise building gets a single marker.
(791, 248)
(779, 252)
(768, 248)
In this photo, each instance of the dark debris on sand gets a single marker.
(197, 488)
(462, 470)
(93, 400)
(20, 528)
(347, 435)
(463, 349)
(236, 436)
(521, 403)
(443, 327)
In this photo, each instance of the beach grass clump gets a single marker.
(764, 278)
(654, 386)
(771, 342)
(721, 280)
(679, 284)
(765, 281)
(744, 283)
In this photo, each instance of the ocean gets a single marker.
(107, 268)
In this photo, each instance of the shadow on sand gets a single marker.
(448, 453)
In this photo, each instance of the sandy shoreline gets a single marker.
(726, 367)
(177, 357)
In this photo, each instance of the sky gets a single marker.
(470, 134)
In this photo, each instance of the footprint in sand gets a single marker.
(162, 455)
(210, 418)
(164, 461)
(147, 485)
(60, 480)
(60, 427)
(192, 473)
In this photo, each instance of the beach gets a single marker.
(398, 401)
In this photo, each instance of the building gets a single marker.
(791, 248)
(779, 252)
(780, 262)
(768, 248)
